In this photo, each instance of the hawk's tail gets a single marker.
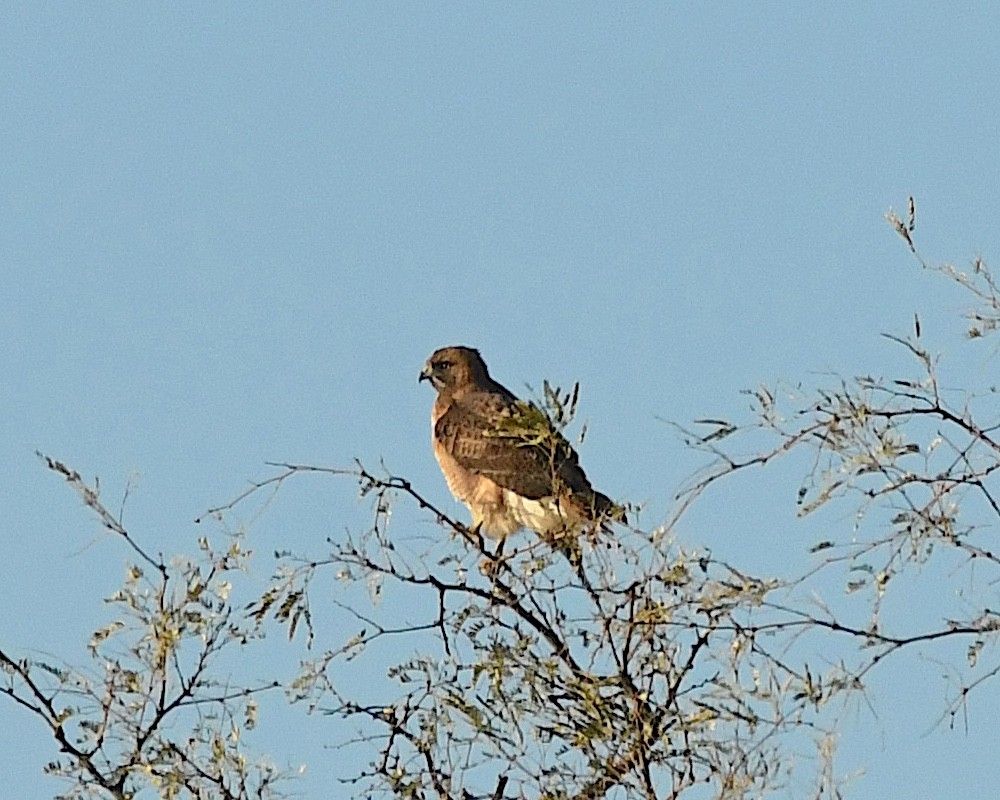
(604, 509)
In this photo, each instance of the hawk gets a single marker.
(502, 457)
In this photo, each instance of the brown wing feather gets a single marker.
(467, 431)
(476, 432)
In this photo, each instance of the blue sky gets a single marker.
(233, 233)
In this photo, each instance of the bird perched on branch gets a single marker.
(504, 458)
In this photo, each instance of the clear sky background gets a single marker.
(233, 232)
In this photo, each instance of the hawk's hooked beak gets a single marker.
(426, 373)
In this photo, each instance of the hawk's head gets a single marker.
(453, 368)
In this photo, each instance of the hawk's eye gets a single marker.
(444, 365)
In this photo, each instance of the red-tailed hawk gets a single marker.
(502, 458)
